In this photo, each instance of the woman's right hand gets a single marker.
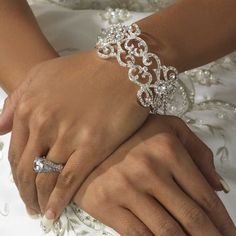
(151, 186)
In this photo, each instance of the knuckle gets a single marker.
(211, 204)
(167, 229)
(42, 185)
(169, 145)
(143, 167)
(41, 118)
(87, 134)
(195, 218)
(107, 188)
(137, 231)
(102, 194)
(12, 159)
(23, 177)
(23, 109)
(92, 137)
(122, 182)
(66, 180)
(144, 162)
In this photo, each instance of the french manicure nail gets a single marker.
(47, 221)
(32, 214)
(34, 217)
(224, 185)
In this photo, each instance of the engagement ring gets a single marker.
(41, 165)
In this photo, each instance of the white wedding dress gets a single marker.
(209, 95)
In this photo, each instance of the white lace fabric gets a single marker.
(206, 102)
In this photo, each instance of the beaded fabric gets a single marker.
(132, 5)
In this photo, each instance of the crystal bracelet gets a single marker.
(157, 82)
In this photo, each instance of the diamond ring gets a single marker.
(41, 165)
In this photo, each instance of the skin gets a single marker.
(151, 168)
(20, 37)
(51, 193)
(32, 122)
(76, 149)
(192, 33)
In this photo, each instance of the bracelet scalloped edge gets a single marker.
(157, 83)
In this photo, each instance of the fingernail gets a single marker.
(34, 217)
(32, 214)
(47, 221)
(224, 185)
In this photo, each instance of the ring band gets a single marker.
(41, 165)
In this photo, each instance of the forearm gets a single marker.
(22, 44)
(192, 33)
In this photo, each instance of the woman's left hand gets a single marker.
(50, 119)
(76, 110)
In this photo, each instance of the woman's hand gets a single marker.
(151, 186)
(76, 110)
(9, 107)
(19, 140)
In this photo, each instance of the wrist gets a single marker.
(157, 82)
(159, 41)
(185, 40)
(19, 54)
(12, 79)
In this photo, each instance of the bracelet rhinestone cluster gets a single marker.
(157, 83)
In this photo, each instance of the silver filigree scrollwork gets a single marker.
(157, 82)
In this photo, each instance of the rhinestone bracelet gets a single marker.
(157, 82)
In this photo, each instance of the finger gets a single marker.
(19, 138)
(26, 176)
(201, 155)
(199, 190)
(154, 216)
(6, 117)
(46, 182)
(10, 104)
(79, 166)
(125, 223)
(32, 213)
(192, 217)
